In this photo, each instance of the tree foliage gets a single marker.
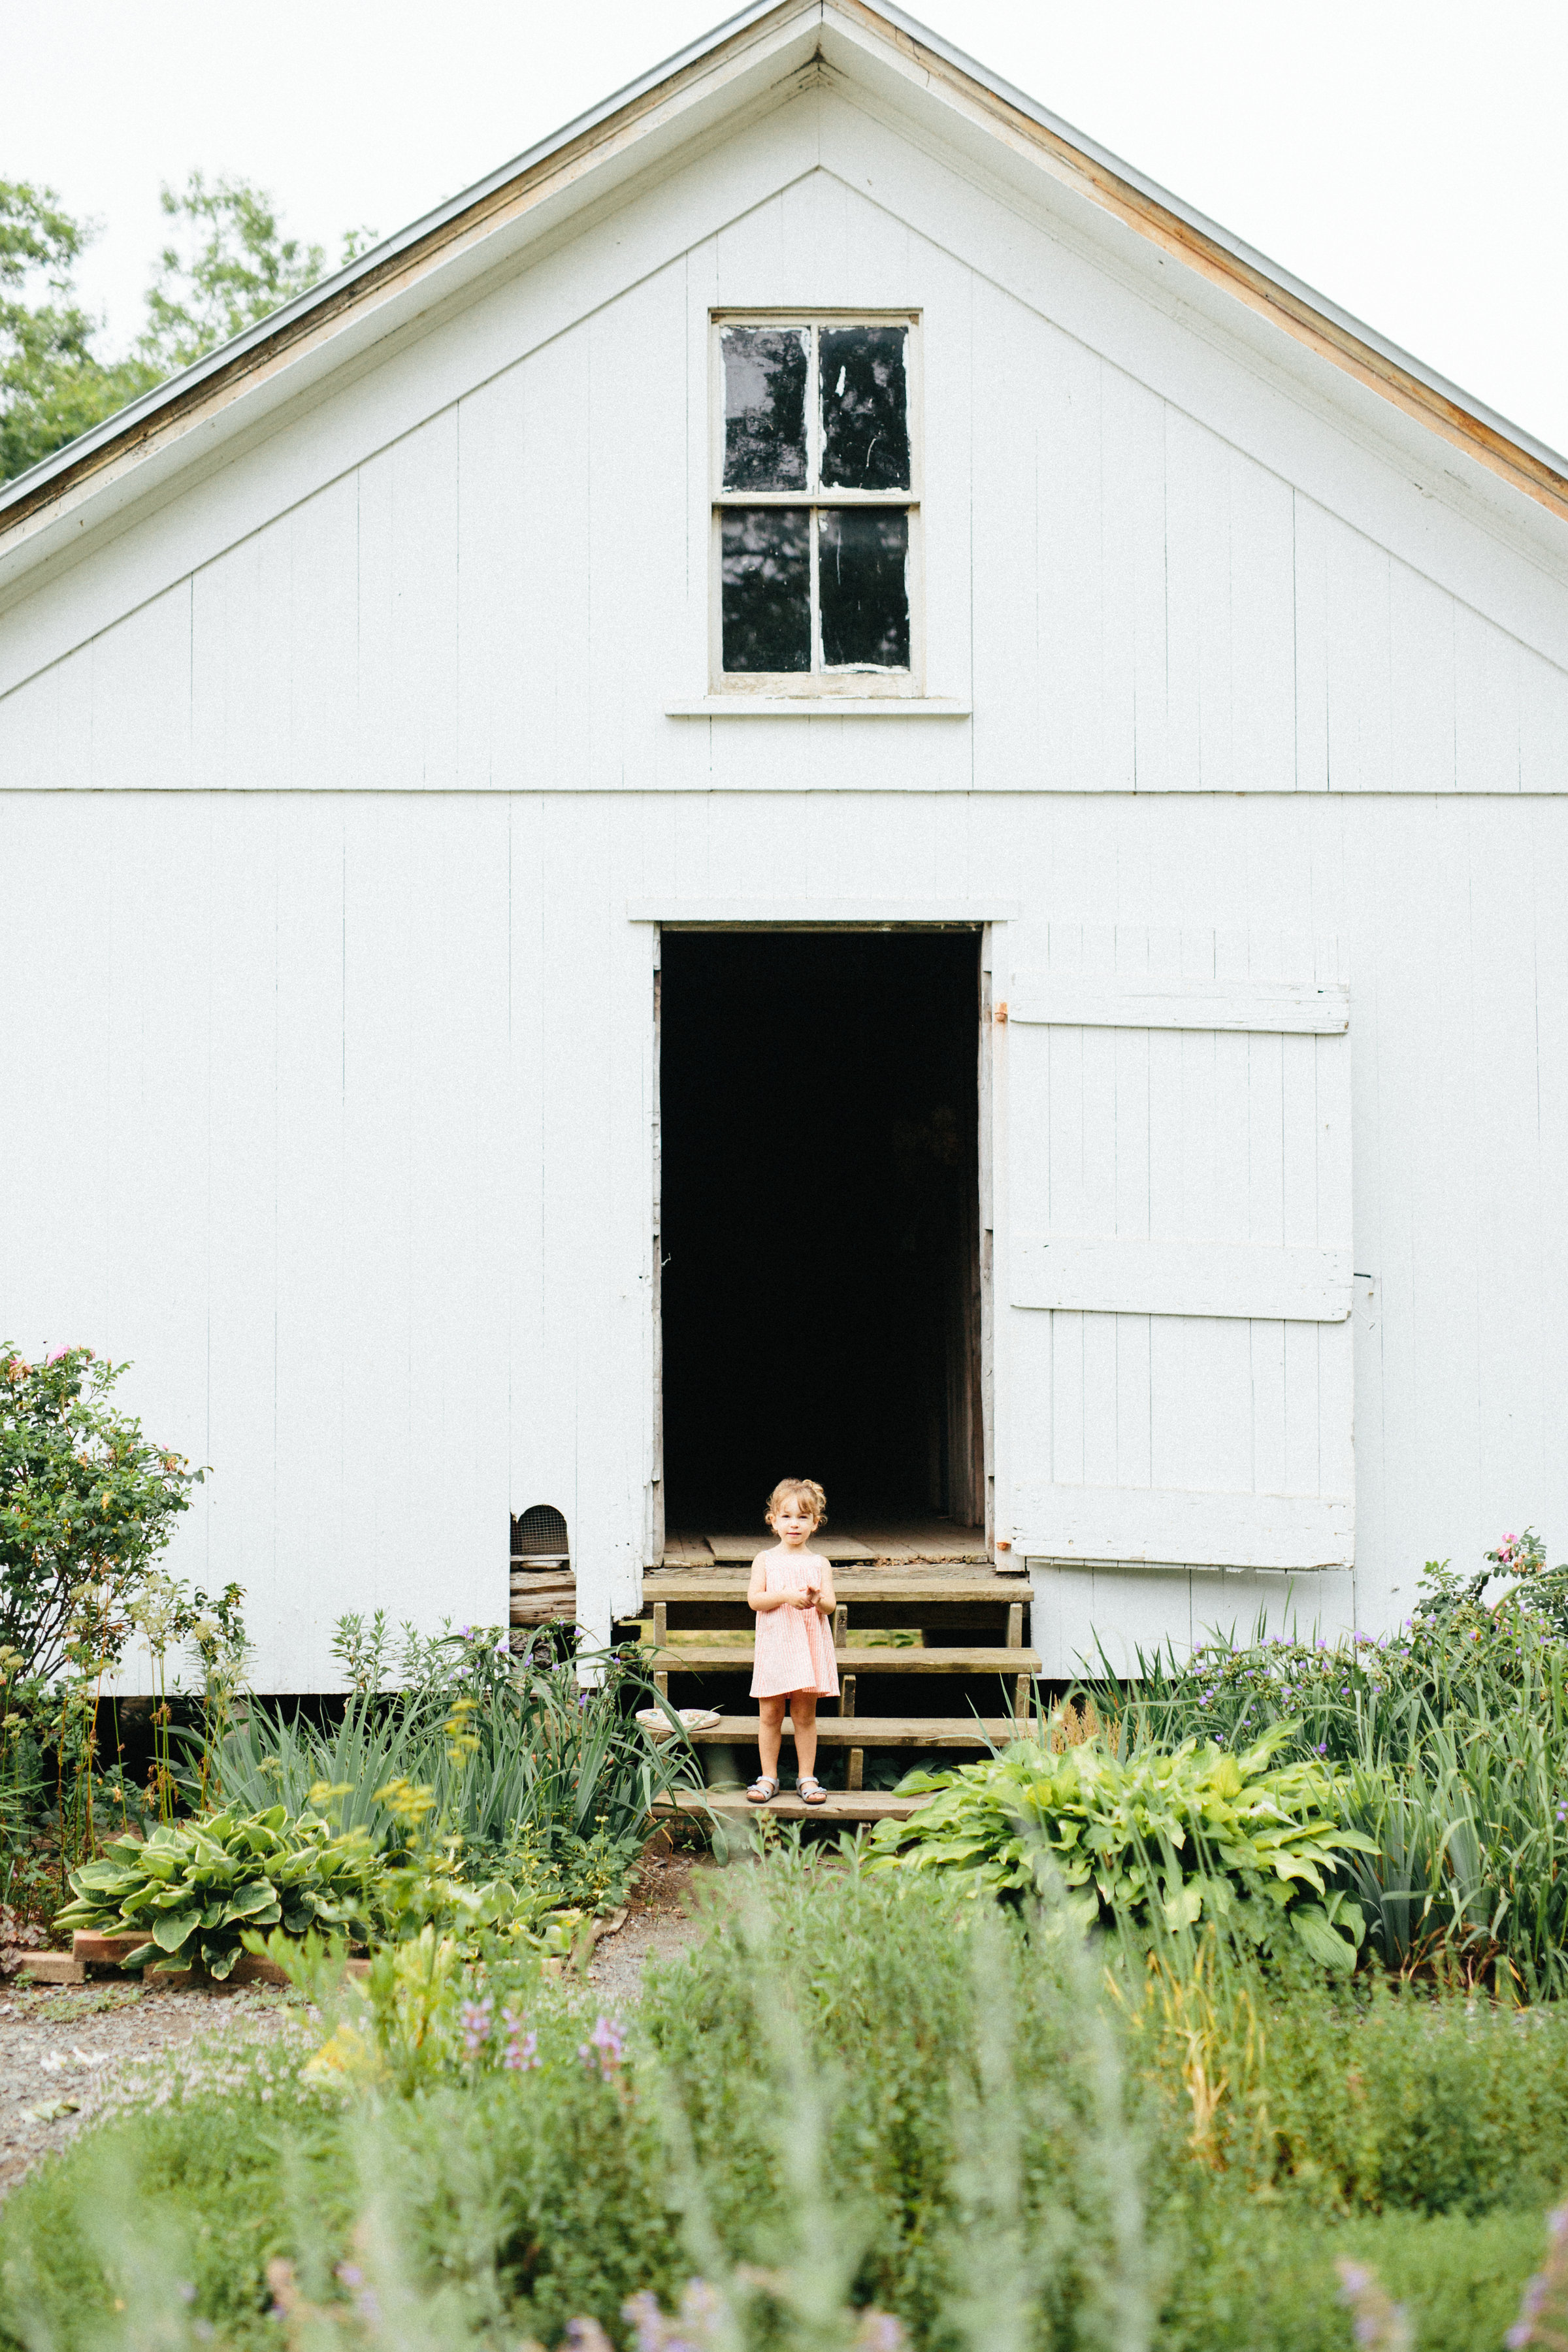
(53, 384)
(86, 1504)
(227, 266)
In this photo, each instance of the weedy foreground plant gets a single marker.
(862, 2092)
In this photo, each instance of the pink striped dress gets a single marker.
(794, 1646)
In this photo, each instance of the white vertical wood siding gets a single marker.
(324, 789)
(332, 1113)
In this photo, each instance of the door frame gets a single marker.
(735, 915)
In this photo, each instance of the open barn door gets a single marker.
(1176, 1386)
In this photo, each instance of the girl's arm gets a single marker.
(826, 1599)
(758, 1597)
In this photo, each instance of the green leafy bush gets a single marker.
(1182, 1836)
(1455, 1730)
(194, 1890)
(86, 1501)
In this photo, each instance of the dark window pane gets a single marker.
(865, 408)
(767, 587)
(864, 587)
(764, 407)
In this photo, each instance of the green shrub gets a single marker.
(1182, 1836)
(1350, 2095)
(1455, 1731)
(1465, 1864)
(1254, 2278)
(539, 1777)
(215, 2178)
(194, 1890)
(86, 1504)
(530, 2196)
(1458, 1657)
(971, 2141)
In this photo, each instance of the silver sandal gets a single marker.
(810, 1790)
(762, 1790)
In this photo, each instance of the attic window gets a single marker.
(813, 514)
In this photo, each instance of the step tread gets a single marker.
(857, 1590)
(842, 1805)
(873, 1730)
(723, 1657)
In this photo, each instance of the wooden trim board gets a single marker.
(1141, 1000)
(976, 1587)
(873, 1731)
(729, 1657)
(842, 1805)
(1098, 1274)
(1172, 1526)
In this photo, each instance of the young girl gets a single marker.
(792, 1594)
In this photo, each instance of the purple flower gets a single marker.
(522, 2049)
(475, 2022)
(694, 2327)
(605, 2047)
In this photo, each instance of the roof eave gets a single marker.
(382, 263)
(118, 443)
(1244, 255)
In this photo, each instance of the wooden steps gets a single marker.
(970, 1621)
(842, 1805)
(873, 1731)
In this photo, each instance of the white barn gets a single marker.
(820, 604)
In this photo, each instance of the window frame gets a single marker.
(850, 683)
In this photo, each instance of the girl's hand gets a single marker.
(802, 1599)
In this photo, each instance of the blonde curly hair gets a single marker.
(802, 1490)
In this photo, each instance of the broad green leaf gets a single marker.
(173, 1929)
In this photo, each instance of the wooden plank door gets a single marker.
(1178, 1275)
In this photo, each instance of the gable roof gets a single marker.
(626, 134)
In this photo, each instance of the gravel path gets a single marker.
(61, 2046)
(665, 1916)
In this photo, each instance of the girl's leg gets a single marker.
(802, 1715)
(769, 1733)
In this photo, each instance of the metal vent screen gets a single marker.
(539, 1533)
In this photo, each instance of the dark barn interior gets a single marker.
(820, 1227)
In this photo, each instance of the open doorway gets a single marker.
(819, 1096)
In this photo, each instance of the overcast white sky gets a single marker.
(1408, 160)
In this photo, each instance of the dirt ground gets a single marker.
(62, 2045)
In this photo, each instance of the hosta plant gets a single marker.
(194, 1888)
(1156, 1837)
